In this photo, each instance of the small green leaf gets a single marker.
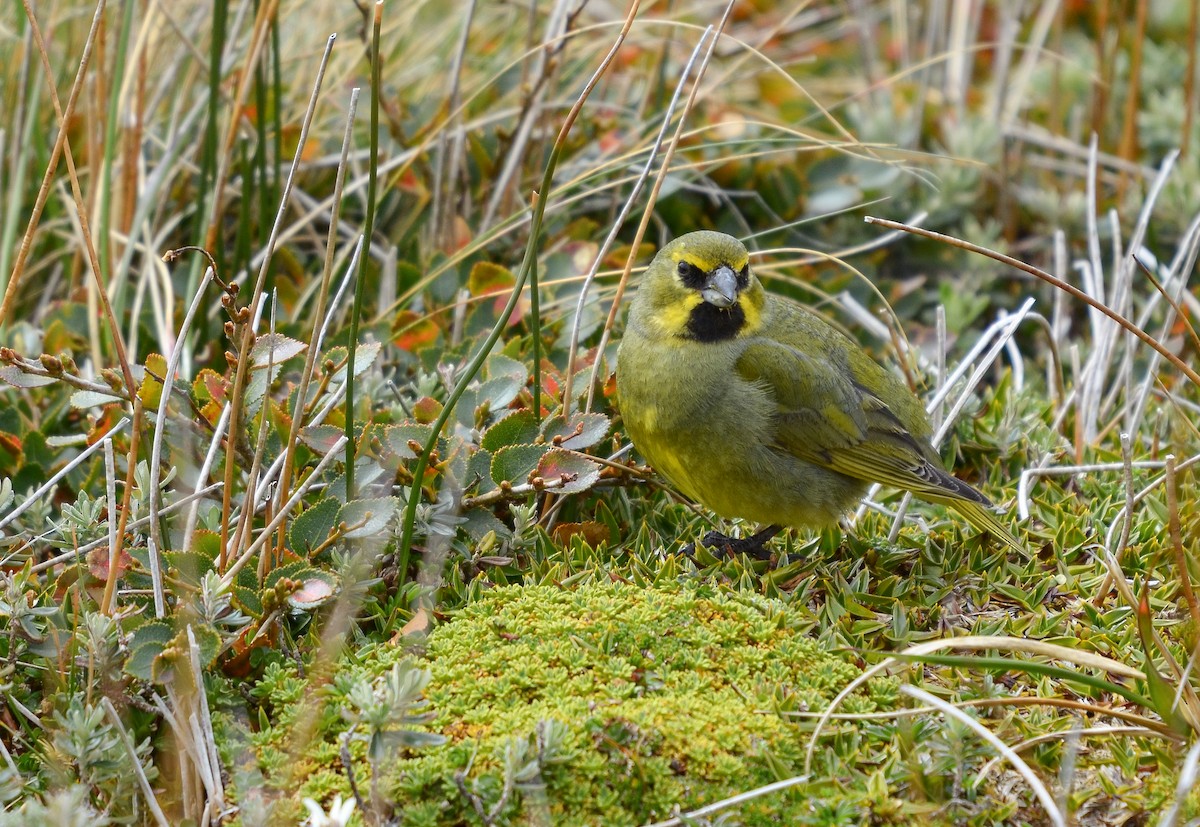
(1162, 693)
(366, 471)
(189, 565)
(499, 365)
(249, 600)
(313, 526)
(14, 376)
(295, 570)
(207, 543)
(256, 388)
(582, 430)
(90, 399)
(464, 410)
(207, 640)
(519, 428)
(273, 348)
(498, 393)
(364, 356)
(397, 438)
(479, 521)
(368, 517)
(514, 463)
(147, 643)
(141, 660)
(321, 438)
(477, 477)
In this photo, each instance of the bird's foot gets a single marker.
(752, 546)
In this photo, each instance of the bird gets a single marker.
(758, 408)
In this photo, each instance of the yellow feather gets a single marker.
(753, 311)
(674, 319)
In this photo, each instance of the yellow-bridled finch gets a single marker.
(760, 409)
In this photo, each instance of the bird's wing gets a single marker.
(827, 416)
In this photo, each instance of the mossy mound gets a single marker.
(664, 699)
(605, 704)
(667, 698)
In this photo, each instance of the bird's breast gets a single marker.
(670, 388)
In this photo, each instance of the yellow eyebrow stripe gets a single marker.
(706, 264)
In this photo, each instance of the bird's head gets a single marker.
(700, 287)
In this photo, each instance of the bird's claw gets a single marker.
(722, 545)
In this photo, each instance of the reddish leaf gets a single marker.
(313, 592)
(418, 625)
(426, 409)
(593, 533)
(98, 560)
(568, 473)
(412, 331)
(237, 664)
(488, 279)
(107, 420)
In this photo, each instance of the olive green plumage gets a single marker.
(760, 409)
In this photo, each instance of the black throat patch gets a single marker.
(709, 323)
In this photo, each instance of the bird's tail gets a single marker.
(980, 516)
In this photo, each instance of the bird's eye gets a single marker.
(691, 275)
(744, 275)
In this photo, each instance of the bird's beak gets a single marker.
(721, 290)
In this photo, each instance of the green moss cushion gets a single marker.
(605, 704)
